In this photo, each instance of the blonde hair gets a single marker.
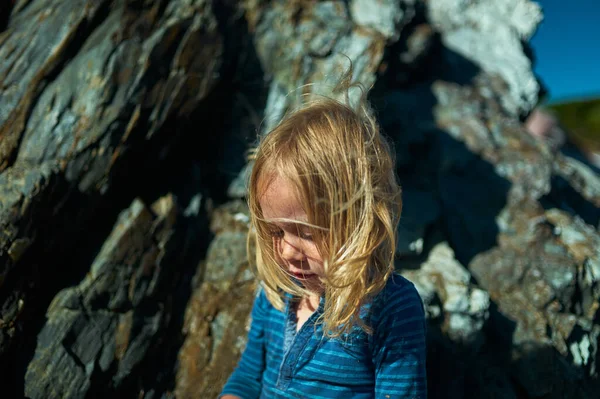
(343, 170)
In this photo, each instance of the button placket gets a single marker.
(297, 343)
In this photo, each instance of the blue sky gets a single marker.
(567, 48)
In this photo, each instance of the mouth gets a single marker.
(302, 276)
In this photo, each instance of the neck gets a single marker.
(312, 301)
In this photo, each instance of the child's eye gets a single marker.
(306, 236)
(276, 233)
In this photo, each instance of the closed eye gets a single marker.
(305, 236)
(278, 233)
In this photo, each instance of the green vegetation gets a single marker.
(581, 119)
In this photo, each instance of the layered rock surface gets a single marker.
(102, 330)
(217, 316)
(107, 101)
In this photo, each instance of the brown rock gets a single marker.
(216, 321)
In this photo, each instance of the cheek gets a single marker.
(313, 254)
(313, 249)
(277, 250)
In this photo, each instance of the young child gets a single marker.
(331, 319)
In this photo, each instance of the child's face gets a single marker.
(294, 247)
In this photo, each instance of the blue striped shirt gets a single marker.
(390, 363)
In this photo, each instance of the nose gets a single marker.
(290, 252)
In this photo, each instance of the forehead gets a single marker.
(280, 200)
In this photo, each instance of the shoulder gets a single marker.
(262, 305)
(261, 296)
(397, 288)
(398, 302)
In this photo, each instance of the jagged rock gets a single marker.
(88, 88)
(130, 75)
(529, 272)
(310, 45)
(474, 116)
(544, 277)
(464, 308)
(24, 193)
(33, 48)
(216, 320)
(583, 244)
(88, 83)
(99, 332)
(385, 19)
(476, 29)
(410, 55)
(21, 191)
(584, 182)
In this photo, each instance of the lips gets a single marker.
(302, 276)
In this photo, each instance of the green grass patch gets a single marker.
(581, 119)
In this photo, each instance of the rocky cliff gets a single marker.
(123, 128)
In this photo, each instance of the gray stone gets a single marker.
(464, 307)
(113, 318)
(36, 41)
(385, 18)
(91, 110)
(490, 33)
(86, 85)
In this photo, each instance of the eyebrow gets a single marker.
(287, 224)
(290, 225)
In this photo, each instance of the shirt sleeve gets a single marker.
(246, 380)
(399, 345)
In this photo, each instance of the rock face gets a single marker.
(307, 47)
(216, 319)
(127, 78)
(109, 105)
(461, 308)
(475, 29)
(91, 92)
(547, 282)
(101, 331)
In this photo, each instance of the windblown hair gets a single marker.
(343, 170)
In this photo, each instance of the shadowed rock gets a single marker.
(88, 87)
(475, 29)
(37, 42)
(25, 193)
(99, 333)
(500, 231)
(130, 75)
(544, 277)
(448, 294)
(216, 320)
